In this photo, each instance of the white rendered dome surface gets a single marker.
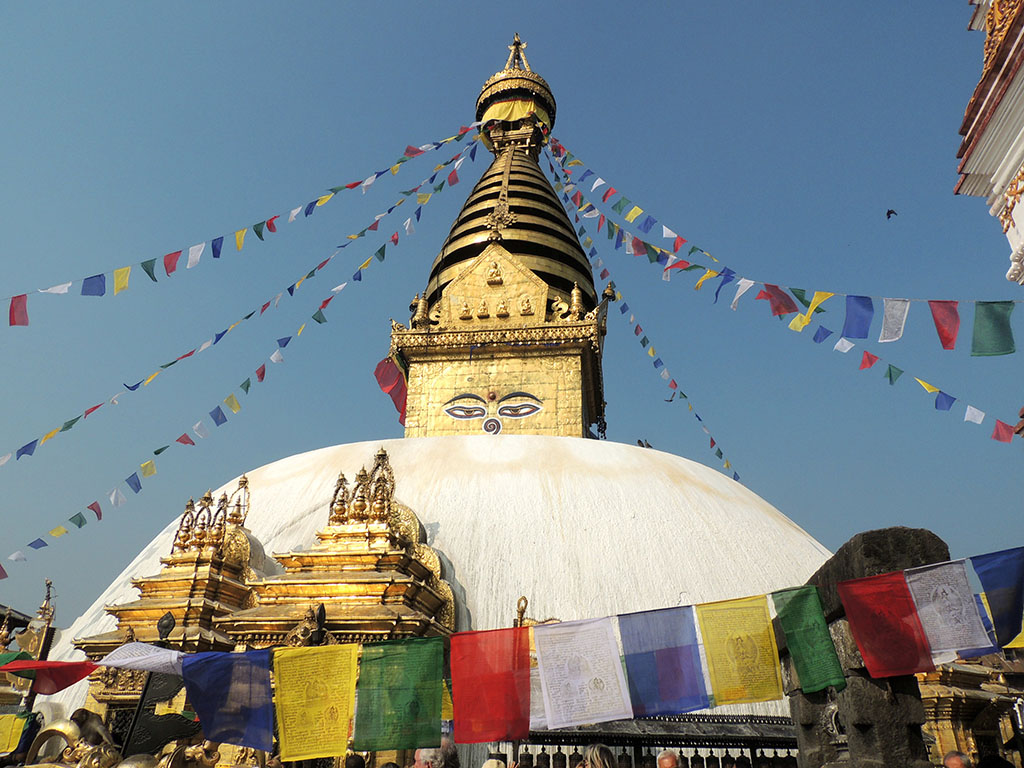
(582, 528)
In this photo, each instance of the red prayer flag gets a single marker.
(19, 310)
(185, 440)
(604, 274)
(885, 624)
(600, 223)
(1003, 432)
(95, 507)
(780, 301)
(322, 264)
(681, 264)
(353, 185)
(90, 410)
(187, 354)
(171, 262)
(638, 246)
(411, 151)
(264, 308)
(3, 573)
(947, 321)
(672, 384)
(50, 676)
(325, 302)
(868, 360)
(394, 238)
(271, 225)
(491, 685)
(373, 227)
(453, 177)
(678, 244)
(611, 191)
(261, 372)
(392, 382)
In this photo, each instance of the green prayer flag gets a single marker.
(992, 332)
(69, 424)
(611, 230)
(807, 637)
(694, 267)
(168, 365)
(581, 231)
(249, 315)
(160, 450)
(620, 206)
(245, 385)
(149, 266)
(439, 186)
(311, 273)
(258, 229)
(693, 250)
(408, 192)
(319, 316)
(335, 190)
(652, 253)
(644, 341)
(400, 684)
(718, 453)
(77, 519)
(379, 253)
(892, 373)
(801, 296)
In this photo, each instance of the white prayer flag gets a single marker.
(664, 374)
(277, 357)
(339, 288)
(667, 233)
(843, 345)
(894, 319)
(200, 429)
(206, 345)
(598, 263)
(706, 430)
(369, 180)
(4, 459)
(113, 400)
(116, 497)
(972, 414)
(18, 557)
(947, 609)
(459, 162)
(277, 299)
(597, 183)
(146, 657)
(570, 188)
(593, 213)
(580, 673)
(742, 286)
(409, 228)
(62, 288)
(293, 214)
(193, 255)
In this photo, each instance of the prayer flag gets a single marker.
(171, 262)
(232, 402)
(491, 685)
(17, 557)
(620, 206)
(231, 694)
(145, 657)
(708, 273)
(727, 277)
(663, 662)
(26, 450)
(19, 310)
(1002, 432)
(62, 288)
(5, 458)
(245, 385)
(808, 639)
(927, 387)
(597, 183)
(394, 239)
(194, 252)
(742, 287)
(218, 416)
(974, 415)
(148, 468)
(200, 429)
(59, 531)
(217, 243)
(38, 544)
(261, 372)
(276, 356)
(379, 253)
(646, 225)
(799, 322)
(577, 687)
(95, 507)
(453, 178)
(859, 311)
(400, 683)
(821, 334)
(271, 226)
(49, 435)
(94, 286)
(323, 199)
(240, 237)
(9, 747)
(992, 332)
(946, 608)
(894, 319)
(314, 699)
(739, 643)
(319, 316)
(1002, 577)
(634, 212)
(944, 402)
(843, 345)
(780, 302)
(867, 360)
(947, 321)
(77, 519)
(133, 482)
(117, 498)
(608, 193)
(391, 380)
(885, 625)
(892, 373)
(50, 676)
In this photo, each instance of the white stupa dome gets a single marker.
(582, 528)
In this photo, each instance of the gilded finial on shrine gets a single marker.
(521, 605)
(360, 503)
(516, 55)
(575, 302)
(608, 293)
(339, 504)
(421, 319)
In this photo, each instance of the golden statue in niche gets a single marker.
(494, 274)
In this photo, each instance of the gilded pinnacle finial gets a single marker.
(516, 57)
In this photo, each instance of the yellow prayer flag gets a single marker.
(366, 263)
(650, 352)
(574, 161)
(59, 531)
(400, 201)
(232, 326)
(48, 435)
(710, 257)
(618, 296)
(353, 237)
(423, 197)
(635, 211)
(727, 465)
(151, 377)
(743, 660)
(148, 468)
(314, 699)
(927, 387)
(1018, 641)
(447, 707)
(239, 238)
(394, 169)
(299, 282)
(439, 167)
(232, 402)
(301, 329)
(321, 200)
(121, 279)
(799, 322)
(11, 727)
(706, 276)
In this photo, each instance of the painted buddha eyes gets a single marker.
(515, 405)
(518, 410)
(466, 411)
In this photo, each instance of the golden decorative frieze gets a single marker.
(585, 333)
(1011, 196)
(1000, 16)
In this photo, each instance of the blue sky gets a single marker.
(775, 136)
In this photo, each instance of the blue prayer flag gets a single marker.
(38, 544)
(217, 242)
(1002, 577)
(310, 207)
(624, 308)
(821, 334)
(133, 482)
(859, 311)
(218, 416)
(944, 402)
(584, 175)
(986, 622)
(472, 154)
(231, 694)
(218, 336)
(291, 289)
(358, 276)
(663, 662)
(663, 259)
(26, 450)
(134, 386)
(727, 277)
(658, 363)
(593, 253)
(94, 286)
(283, 342)
(418, 209)
(646, 224)
(736, 477)
(618, 240)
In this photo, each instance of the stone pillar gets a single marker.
(871, 722)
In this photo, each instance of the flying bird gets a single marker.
(890, 213)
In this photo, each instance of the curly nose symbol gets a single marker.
(492, 426)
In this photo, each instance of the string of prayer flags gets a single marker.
(739, 643)
(807, 639)
(662, 659)
(947, 609)
(780, 302)
(581, 688)
(400, 683)
(231, 694)
(314, 699)
(491, 685)
(885, 625)
(1002, 577)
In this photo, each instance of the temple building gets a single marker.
(501, 488)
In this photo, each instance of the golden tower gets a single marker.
(507, 336)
